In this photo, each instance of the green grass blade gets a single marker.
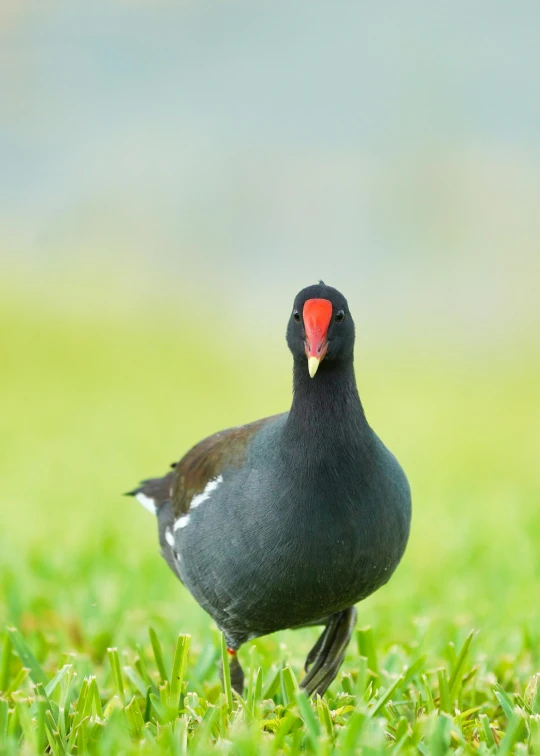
(82, 707)
(324, 717)
(307, 714)
(440, 740)
(351, 734)
(4, 717)
(164, 713)
(17, 681)
(289, 722)
(257, 695)
(41, 723)
(179, 668)
(136, 680)
(14, 728)
(383, 700)
(534, 736)
(53, 737)
(181, 737)
(141, 666)
(135, 719)
(506, 702)
(59, 676)
(362, 677)
(95, 700)
(201, 742)
(445, 704)
(148, 706)
(413, 670)
(116, 669)
(289, 685)
(512, 713)
(347, 683)
(26, 656)
(40, 695)
(6, 662)
(366, 647)
(274, 686)
(516, 731)
(25, 721)
(158, 655)
(250, 679)
(164, 693)
(430, 703)
(401, 731)
(535, 694)
(488, 732)
(455, 682)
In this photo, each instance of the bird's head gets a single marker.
(320, 327)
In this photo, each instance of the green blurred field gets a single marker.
(89, 405)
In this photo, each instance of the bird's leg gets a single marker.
(326, 656)
(237, 673)
(321, 643)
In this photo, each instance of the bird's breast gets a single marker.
(270, 551)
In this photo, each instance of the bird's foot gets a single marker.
(326, 656)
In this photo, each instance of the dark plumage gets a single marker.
(293, 519)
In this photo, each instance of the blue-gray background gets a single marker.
(236, 151)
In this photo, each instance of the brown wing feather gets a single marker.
(208, 459)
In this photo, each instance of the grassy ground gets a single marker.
(91, 660)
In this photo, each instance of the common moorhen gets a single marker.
(291, 520)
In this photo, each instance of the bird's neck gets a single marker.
(326, 414)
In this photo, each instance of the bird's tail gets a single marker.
(154, 492)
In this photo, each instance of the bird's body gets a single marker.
(291, 520)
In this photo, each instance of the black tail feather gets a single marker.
(158, 489)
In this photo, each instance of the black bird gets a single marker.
(291, 520)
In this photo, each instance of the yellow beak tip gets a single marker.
(313, 364)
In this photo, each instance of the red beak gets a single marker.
(317, 316)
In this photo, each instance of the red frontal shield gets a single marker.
(317, 315)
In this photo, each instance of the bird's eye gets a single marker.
(340, 316)
(296, 316)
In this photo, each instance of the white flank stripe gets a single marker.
(169, 537)
(198, 499)
(147, 502)
(182, 522)
(210, 486)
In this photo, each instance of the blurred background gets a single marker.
(172, 173)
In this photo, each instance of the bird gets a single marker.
(291, 520)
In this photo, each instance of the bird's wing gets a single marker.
(204, 463)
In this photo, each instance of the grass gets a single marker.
(104, 652)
